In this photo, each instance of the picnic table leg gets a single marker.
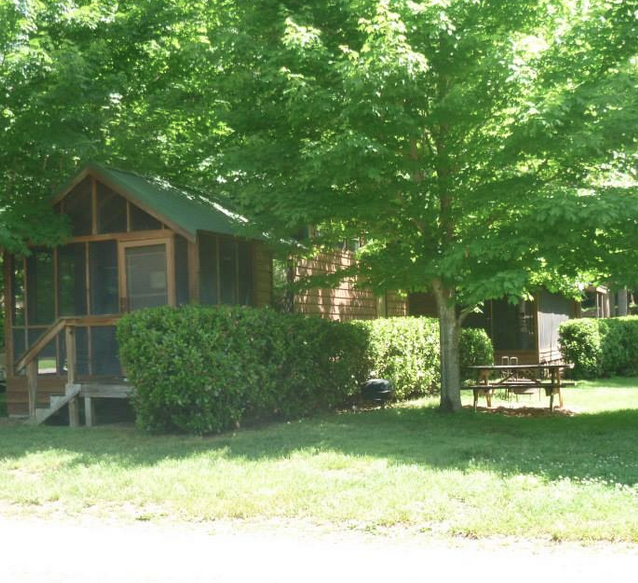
(476, 396)
(488, 397)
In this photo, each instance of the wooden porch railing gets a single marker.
(29, 360)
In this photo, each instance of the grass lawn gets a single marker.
(474, 474)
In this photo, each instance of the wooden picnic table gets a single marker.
(520, 379)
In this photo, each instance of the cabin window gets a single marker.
(111, 211)
(78, 206)
(181, 271)
(72, 280)
(226, 270)
(104, 277)
(40, 286)
(142, 221)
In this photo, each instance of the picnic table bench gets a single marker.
(520, 379)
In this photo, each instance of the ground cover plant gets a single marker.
(476, 474)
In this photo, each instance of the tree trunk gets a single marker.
(449, 330)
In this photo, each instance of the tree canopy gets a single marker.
(482, 148)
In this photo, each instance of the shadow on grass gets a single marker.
(598, 446)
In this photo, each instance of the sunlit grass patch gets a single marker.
(473, 474)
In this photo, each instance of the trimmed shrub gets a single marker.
(601, 347)
(475, 348)
(202, 370)
(406, 351)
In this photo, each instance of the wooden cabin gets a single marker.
(527, 330)
(136, 242)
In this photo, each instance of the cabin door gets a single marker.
(148, 279)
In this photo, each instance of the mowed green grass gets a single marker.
(472, 474)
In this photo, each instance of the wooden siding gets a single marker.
(18, 397)
(396, 305)
(345, 302)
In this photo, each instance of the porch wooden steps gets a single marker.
(105, 389)
(56, 402)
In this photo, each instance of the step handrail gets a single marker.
(66, 324)
(40, 344)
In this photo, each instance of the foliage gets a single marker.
(406, 351)
(203, 370)
(580, 344)
(475, 347)
(484, 148)
(85, 80)
(601, 347)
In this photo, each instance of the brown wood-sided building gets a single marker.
(527, 330)
(348, 300)
(136, 242)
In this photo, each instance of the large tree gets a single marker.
(483, 148)
(122, 82)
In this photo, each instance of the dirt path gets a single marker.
(94, 552)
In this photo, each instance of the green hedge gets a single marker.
(601, 347)
(406, 351)
(203, 370)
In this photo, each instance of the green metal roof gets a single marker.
(189, 211)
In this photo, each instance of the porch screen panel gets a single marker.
(78, 206)
(208, 276)
(81, 351)
(104, 351)
(111, 210)
(228, 270)
(146, 276)
(40, 286)
(72, 280)
(18, 292)
(245, 273)
(104, 277)
(19, 342)
(181, 271)
(47, 359)
(142, 221)
(18, 331)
